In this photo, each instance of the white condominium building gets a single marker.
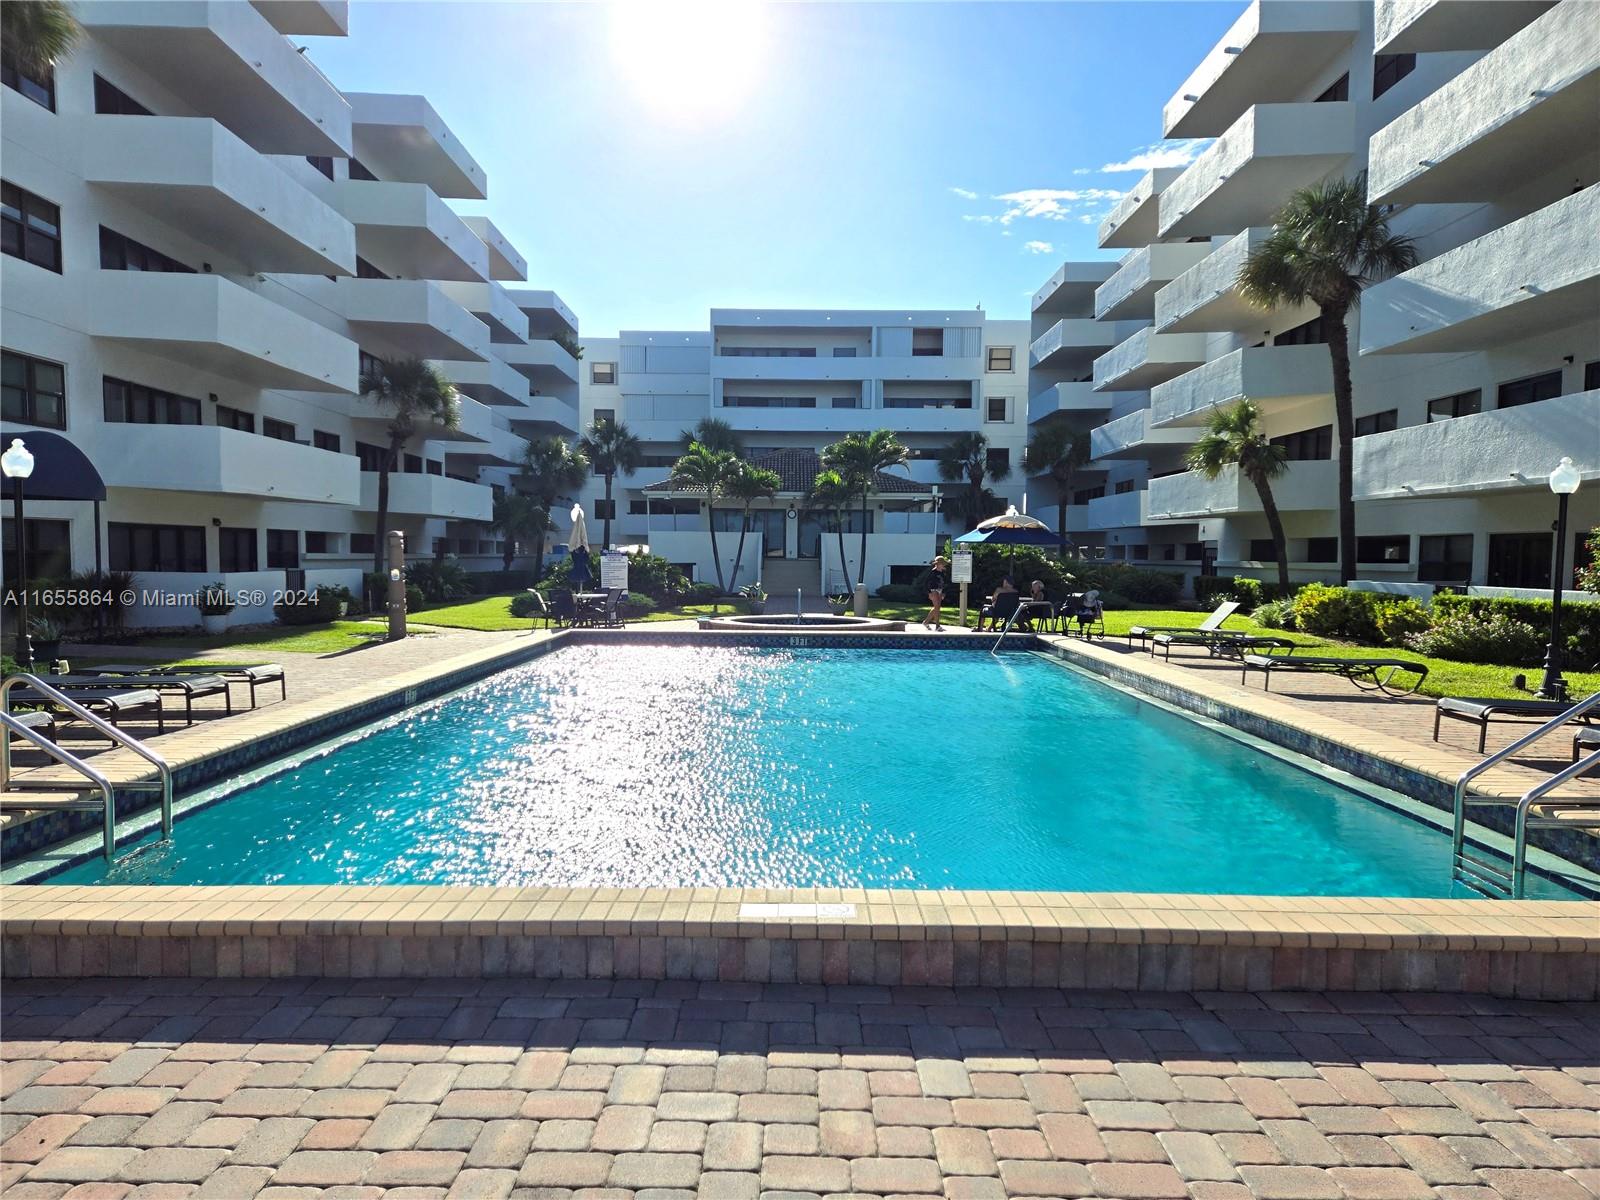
(790, 383)
(1473, 373)
(205, 243)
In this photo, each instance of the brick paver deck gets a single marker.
(349, 1090)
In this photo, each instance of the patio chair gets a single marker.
(1482, 711)
(190, 687)
(114, 704)
(999, 609)
(1368, 674)
(541, 610)
(563, 608)
(610, 618)
(261, 675)
(1212, 623)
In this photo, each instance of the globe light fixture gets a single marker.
(17, 464)
(1564, 481)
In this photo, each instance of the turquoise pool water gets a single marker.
(698, 765)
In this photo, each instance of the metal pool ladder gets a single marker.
(1532, 812)
(69, 795)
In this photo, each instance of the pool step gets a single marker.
(48, 800)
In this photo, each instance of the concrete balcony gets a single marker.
(491, 304)
(541, 416)
(1127, 510)
(213, 324)
(1419, 26)
(403, 138)
(1528, 104)
(406, 230)
(413, 316)
(1077, 337)
(1071, 288)
(430, 496)
(834, 421)
(1304, 487)
(1508, 449)
(1132, 436)
(1275, 377)
(1130, 294)
(543, 361)
(1538, 273)
(196, 175)
(228, 462)
(1248, 172)
(499, 447)
(506, 263)
(1066, 398)
(1269, 55)
(902, 368)
(547, 312)
(1132, 222)
(1146, 359)
(307, 18)
(225, 60)
(1205, 298)
(492, 381)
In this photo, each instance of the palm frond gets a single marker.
(37, 34)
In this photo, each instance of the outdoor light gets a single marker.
(394, 574)
(17, 464)
(1564, 482)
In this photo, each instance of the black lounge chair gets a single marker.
(113, 704)
(190, 687)
(1481, 711)
(1212, 624)
(254, 677)
(1368, 674)
(1219, 643)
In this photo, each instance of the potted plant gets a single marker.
(755, 596)
(839, 606)
(46, 634)
(215, 605)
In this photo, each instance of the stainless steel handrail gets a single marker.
(117, 736)
(1519, 845)
(108, 798)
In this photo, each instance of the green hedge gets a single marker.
(1211, 590)
(1580, 621)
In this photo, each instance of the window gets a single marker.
(135, 404)
(234, 418)
(121, 253)
(1339, 89)
(112, 101)
(318, 542)
(1000, 357)
(998, 460)
(1309, 334)
(30, 227)
(34, 392)
(1381, 422)
(156, 547)
(927, 401)
(359, 170)
(363, 543)
(1591, 376)
(413, 464)
(996, 408)
(769, 351)
(49, 550)
(1123, 486)
(322, 162)
(1322, 550)
(769, 401)
(369, 365)
(1529, 390)
(1194, 551)
(1389, 549)
(608, 415)
(373, 458)
(365, 270)
(283, 548)
(280, 430)
(1390, 69)
(41, 91)
(844, 351)
(435, 467)
(1519, 559)
(1462, 404)
(1307, 445)
(605, 510)
(323, 440)
(1444, 558)
(1262, 550)
(927, 343)
(845, 402)
(1084, 495)
(236, 549)
(603, 373)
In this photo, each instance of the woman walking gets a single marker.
(935, 593)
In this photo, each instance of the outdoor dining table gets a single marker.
(590, 604)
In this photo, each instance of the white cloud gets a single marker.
(1051, 204)
(964, 193)
(1038, 247)
(1083, 170)
(1178, 153)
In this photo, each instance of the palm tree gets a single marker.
(612, 449)
(709, 470)
(551, 470)
(517, 518)
(860, 458)
(966, 460)
(1059, 452)
(1329, 244)
(747, 484)
(37, 34)
(830, 494)
(714, 434)
(1233, 438)
(413, 392)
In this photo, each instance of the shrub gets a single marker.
(524, 605)
(214, 601)
(415, 600)
(901, 593)
(1211, 590)
(1494, 638)
(1588, 575)
(488, 583)
(319, 608)
(635, 604)
(1580, 621)
(439, 581)
(1399, 619)
(1336, 612)
(1274, 614)
(701, 592)
(1135, 586)
(649, 574)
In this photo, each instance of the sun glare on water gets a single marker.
(688, 60)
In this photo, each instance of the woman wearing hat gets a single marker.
(935, 592)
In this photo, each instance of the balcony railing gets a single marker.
(228, 462)
(1305, 486)
(1275, 377)
(1148, 358)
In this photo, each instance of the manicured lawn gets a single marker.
(492, 613)
(294, 639)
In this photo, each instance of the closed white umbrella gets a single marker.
(578, 548)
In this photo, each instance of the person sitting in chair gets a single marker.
(1037, 605)
(1001, 605)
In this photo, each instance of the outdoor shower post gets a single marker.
(397, 585)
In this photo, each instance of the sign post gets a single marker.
(961, 572)
(396, 546)
(614, 570)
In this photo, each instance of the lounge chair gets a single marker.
(38, 720)
(190, 687)
(1221, 613)
(1585, 739)
(1481, 711)
(113, 704)
(1220, 643)
(1368, 674)
(541, 610)
(254, 677)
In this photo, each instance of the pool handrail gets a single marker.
(9, 726)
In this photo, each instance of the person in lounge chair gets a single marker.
(936, 577)
(1001, 605)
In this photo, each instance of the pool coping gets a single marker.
(1534, 949)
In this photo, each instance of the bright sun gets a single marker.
(688, 60)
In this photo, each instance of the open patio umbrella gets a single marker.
(578, 548)
(1010, 528)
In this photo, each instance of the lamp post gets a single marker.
(1564, 481)
(17, 464)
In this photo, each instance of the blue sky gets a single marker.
(652, 161)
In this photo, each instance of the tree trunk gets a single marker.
(1280, 544)
(738, 555)
(605, 537)
(508, 554)
(1063, 496)
(1344, 428)
(538, 556)
(716, 559)
(380, 544)
(844, 566)
(861, 567)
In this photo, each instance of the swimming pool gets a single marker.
(642, 766)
